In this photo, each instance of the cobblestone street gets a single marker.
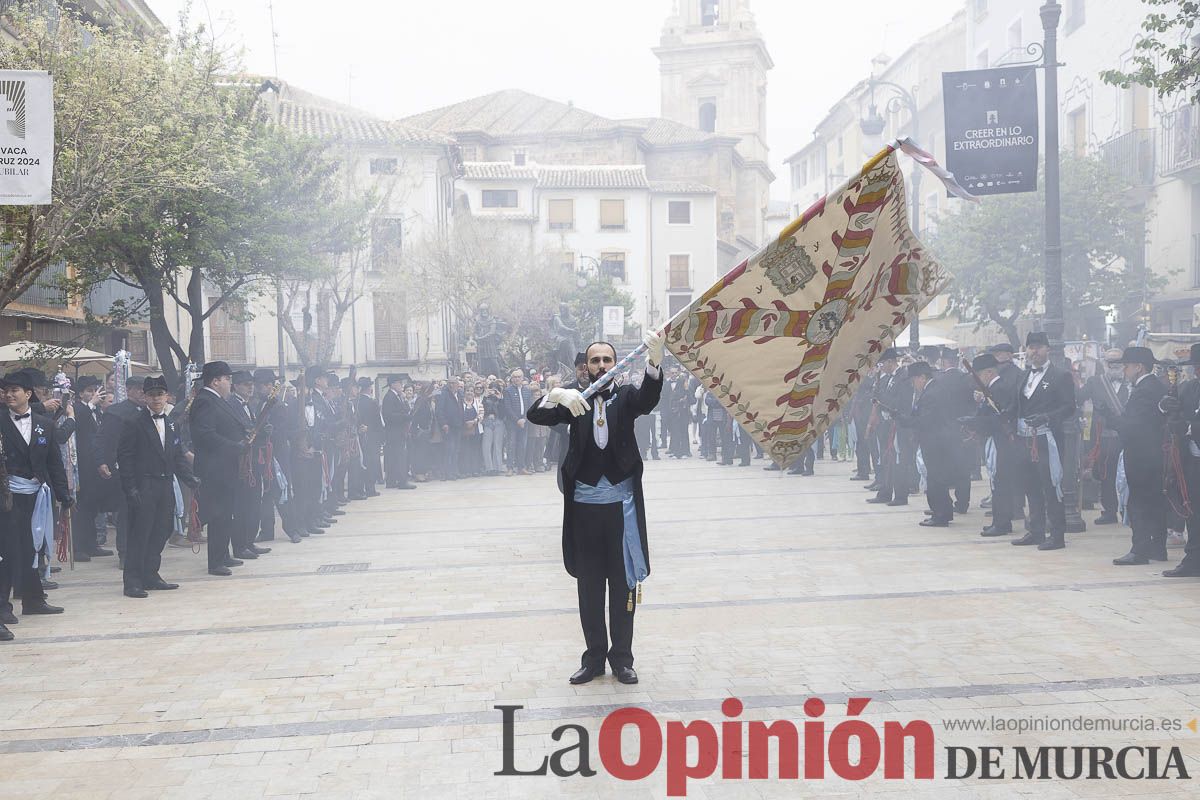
(366, 663)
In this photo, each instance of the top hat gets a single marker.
(20, 378)
(36, 376)
(154, 384)
(86, 382)
(312, 373)
(213, 370)
(891, 354)
(580, 359)
(949, 353)
(264, 376)
(1037, 338)
(1003, 347)
(1138, 355)
(930, 352)
(243, 376)
(920, 369)
(984, 361)
(365, 383)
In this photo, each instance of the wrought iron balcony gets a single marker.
(1180, 149)
(1131, 156)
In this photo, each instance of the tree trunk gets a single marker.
(195, 295)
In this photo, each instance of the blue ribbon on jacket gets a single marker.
(43, 513)
(604, 493)
(177, 522)
(285, 488)
(1056, 468)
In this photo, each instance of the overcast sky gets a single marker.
(399, 57)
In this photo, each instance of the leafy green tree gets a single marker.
(121, 130)
(1167, 59)
(994, 249)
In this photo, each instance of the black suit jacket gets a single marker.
(87, 427)
(628, 404)
(1141, 427)
(933, 420)
(217, 436)
(144, 456)
(397, 415)
(1053, 397)
(40, 458)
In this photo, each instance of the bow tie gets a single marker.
(158, 416)
(21, 416)
(1036, 370)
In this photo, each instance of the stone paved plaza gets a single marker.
(366, 663)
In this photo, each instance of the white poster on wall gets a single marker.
(26, 137)
(614, 321)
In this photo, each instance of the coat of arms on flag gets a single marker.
(784, 339)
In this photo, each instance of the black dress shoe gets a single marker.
(224, 571)
(233, 562)
(1030, 539)
(1053, 543)
(8, 618)
(997, 530)
(405, 486)
(160, 586)
(40, 608)
(898, 503)
(135, 591)
(934, 523)
(100, 552)
(337, 512)
(82, 558)
(872, 487)
(317, 529)
(585, 674)
(626, 675)
(961, 508)
(1183, 571)
(1160, 556)
(246, 555)
(5, 634)
(260, 550)
(294, 537)
(48, 585)
(1131, 559)
(1106, 519)
(304, 534)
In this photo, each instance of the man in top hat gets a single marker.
(893, 395)
(860, 413)
(961, 390)
(931, 417)
(397, 419)
(1045, 401)
(151, 455)
(87, 423)
(278, 432)
(603, 504)
(219, 437)
(1109, 392)
(36, 477)
(1007, 370)
(1141, 426)
(371, 435)
(109, 469)
(1183, 415)
(993, 422)
(252, 473)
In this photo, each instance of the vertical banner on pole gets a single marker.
(26, 137)
(992, 129)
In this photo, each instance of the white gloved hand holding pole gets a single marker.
(655, 344)
(571, 398)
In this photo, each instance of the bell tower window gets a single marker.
(708, 115)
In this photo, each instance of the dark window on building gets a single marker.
(613, 265)
(391, 326)
(384, 166)
(708, 116)
(679, 212)
(499, 198)
(710, 12)
(519, 158)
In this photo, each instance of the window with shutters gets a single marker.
(499, 198)
(391, 326)
(612, 215)
(680, 274)
(386, 241)
(384, 166)
(561, 214)
(679, 212)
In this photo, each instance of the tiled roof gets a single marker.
(680, 187)
(555, 177)
(517, 113)
(510, 112)
(662, 131)
(312, 115)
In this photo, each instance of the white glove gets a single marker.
(571, 398)
(655, 343)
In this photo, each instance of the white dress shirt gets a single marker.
(25, 426)
(1035, 377)
(160, 425)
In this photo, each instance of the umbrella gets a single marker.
(62, 354)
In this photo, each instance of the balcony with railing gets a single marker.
(1180, 149)
(1131, 156)
(390, 345)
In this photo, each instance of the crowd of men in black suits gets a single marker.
(932, 421)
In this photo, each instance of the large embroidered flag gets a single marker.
(784, 339)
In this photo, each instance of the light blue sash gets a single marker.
(43, 513)
(285, 488)
(989, 460)
(179, 510)
(604, 493)
(1056, 467)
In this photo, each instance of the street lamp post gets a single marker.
(872, 128)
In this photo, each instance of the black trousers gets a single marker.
(599, 560)
(1148, 518)
(1191, 473)
(216, 512)
(894, 482)
(306, 491)
(863, 450)
(1005, 492)
(247, 507)
(265, 529)
(17, 573)
(964, 467)
(151, 524)
(1105, 471)
(1046, 511)
(937, 492)
(395, 458)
